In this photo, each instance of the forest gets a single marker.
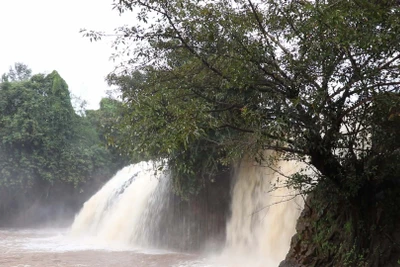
(51, 158)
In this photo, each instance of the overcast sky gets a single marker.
(44, 34)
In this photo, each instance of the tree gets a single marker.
(104, 122)
(20, 72)
(298, 77)
(46, 149)
(313, 80)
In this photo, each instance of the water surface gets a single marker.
(55, 248)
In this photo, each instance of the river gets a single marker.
(127, 214)
(55, 248)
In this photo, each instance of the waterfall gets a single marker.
(113, 213)
(264, 214)
(137, 207)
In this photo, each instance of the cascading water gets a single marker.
(264, 215)
(185, 225)
(113, 213)
(138, 208)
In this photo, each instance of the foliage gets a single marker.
(104, 121)
(154, 127)
(43, 142)
(20, 72)
(302, 78)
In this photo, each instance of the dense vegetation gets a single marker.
(317, 81)
(47, 151)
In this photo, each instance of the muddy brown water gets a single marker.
(54, 248)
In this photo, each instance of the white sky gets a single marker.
(44, 34)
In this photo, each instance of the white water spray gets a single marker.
(135, 208)
(112, 215)
(264, 215)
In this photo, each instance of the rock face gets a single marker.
(336, 234)
(192, 224)
(302, 253)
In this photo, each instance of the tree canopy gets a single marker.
(19, 72)
(304, 78)
(43, 142)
